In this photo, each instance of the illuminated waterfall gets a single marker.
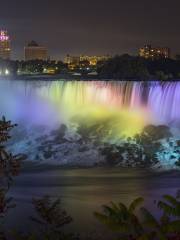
(164, 100)
(48, 103)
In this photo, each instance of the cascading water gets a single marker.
(39, 99)
(123, 108)
(163, 101)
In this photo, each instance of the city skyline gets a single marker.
(34, 51)
(91, 27)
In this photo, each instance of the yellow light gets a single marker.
(94, 110)
(110, 123)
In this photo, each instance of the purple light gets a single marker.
(4, 36)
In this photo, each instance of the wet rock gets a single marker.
(178, 143)
(47, 155)
(177, 163)
(157, 132)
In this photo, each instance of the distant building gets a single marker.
(76, 61)
(93, 60)
(150, 52)
(72, 60)
(5, 50)
(35, 52)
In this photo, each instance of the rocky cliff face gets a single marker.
(154, 148)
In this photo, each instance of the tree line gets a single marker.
(124, 67)
(137, 68)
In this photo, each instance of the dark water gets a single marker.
(84, 190)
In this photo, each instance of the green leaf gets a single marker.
(171, 200)
(169, 210)
(112, 224)
(136, 203)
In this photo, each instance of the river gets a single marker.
(83, 191)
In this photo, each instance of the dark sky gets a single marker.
(91, 27)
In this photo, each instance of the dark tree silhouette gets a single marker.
(9, 164)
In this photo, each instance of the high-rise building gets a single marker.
(5, 50)
(35, 52)
(150, 52)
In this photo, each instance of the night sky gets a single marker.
(91, 27)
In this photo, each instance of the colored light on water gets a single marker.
(110, 123)
(124, 108)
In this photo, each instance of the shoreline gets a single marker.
(31, 167)
(70, 77)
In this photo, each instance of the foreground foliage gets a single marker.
(138, 223)
(50, 220)
(50, 217)
(9, 164)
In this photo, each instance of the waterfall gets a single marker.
(49, 101)
(164, 100)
